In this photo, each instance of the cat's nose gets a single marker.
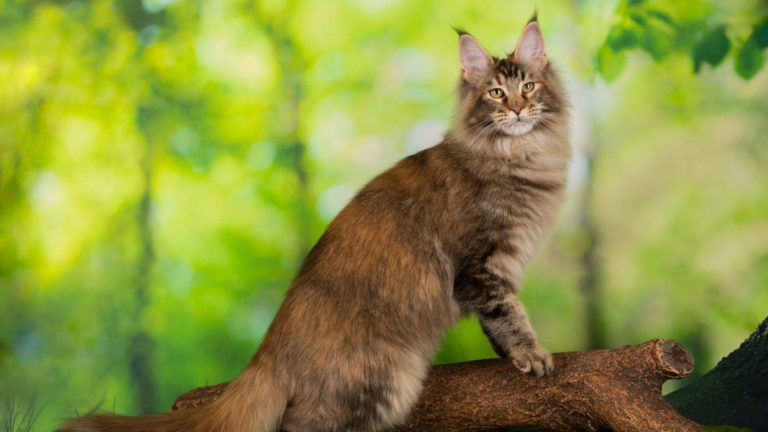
(517, 108)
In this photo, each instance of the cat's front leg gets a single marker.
(506, 325)
(502, 315)
(490, 294)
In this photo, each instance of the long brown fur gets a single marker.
(446, 231)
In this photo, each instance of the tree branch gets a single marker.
(589, 391)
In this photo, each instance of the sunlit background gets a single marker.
(165, 166)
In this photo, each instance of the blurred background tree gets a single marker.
(166, 164)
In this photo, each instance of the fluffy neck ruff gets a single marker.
(546, 146)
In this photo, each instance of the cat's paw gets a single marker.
(534, 360)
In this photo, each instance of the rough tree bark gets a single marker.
(735, 392)
(589, 391)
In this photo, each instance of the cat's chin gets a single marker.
(517, 128)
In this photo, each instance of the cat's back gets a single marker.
(392, 224)
(427, 180)
(410, 193)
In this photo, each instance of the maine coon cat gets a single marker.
(446, 231)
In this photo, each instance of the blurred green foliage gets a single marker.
(660, 28)
(165, 165)
(15, 418)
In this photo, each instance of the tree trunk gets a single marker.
(735, 392)
(589, 391)
(141, 342)
(292, 66)
(590, 282)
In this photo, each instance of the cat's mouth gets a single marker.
(516, 126)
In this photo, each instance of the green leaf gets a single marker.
(609, 63)
(711, 48)
(760, 33)
(749, 59)
(656, 42)
(622, 37)
(661, 16)
(638, 18)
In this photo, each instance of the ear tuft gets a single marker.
(459, 31)
(475, 60)
(530, 47)
(534, 17)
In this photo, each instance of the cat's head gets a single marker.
(510, 96)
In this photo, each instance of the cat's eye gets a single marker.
(496, 93)
(528, 87)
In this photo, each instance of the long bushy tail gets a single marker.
(253, 402)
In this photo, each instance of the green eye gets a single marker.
(528, 87)
(496, 93)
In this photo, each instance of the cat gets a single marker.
(445, 232)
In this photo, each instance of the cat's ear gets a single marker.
(530, 47)
(475, 60)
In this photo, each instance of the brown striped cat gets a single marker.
(446, 231)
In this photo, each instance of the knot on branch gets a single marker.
(673, 359)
